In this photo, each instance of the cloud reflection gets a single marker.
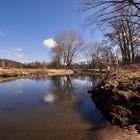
(50, 98)
(17, 88)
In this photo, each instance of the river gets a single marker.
(53, 108)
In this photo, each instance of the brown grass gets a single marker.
(5, 73)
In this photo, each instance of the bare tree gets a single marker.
(68, 47)
(120, 20)
(125, 35)
(92, 53)
(56, 56)
(102, 12)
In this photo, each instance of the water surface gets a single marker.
(55, 108)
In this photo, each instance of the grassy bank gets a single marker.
(118, 98)
(7, 74)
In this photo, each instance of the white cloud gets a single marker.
(18, 53)
(12, 53)
(2, 34)
(17, 49)
(50, 43)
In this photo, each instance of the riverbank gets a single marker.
(10, 74)
(118, 98)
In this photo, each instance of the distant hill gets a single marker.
(10, 64)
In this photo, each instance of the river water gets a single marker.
(54, 108)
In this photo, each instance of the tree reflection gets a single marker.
(66, 87)
(62, 88)
(39, 77)
(71, 92)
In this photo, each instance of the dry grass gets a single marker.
(119, 96)
(27, 72)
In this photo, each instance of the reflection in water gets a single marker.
(49, 98)
(55, 108)
(17, 89)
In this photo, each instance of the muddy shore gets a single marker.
(118, 98)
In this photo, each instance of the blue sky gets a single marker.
(25, 24)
